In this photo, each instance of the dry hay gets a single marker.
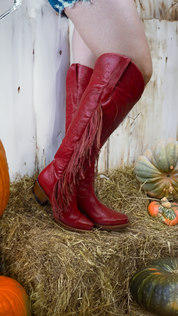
(68, 273)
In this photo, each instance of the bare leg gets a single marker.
(113, 27)
(81, 52)
(108, 28)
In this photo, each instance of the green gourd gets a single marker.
(157, 169)
(155, 287)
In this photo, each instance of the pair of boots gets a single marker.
(97, 102)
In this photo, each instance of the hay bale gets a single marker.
(68, 273)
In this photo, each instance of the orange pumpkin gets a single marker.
(4, 180)
(166, 212)
(13, 298)
(153, 208)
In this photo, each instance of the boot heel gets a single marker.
(39, 194)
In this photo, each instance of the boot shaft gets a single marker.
(78, 77)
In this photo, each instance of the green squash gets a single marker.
(155, 287)
(157, 169)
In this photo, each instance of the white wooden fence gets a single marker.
(34, 58)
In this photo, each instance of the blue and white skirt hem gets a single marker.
(60, 5)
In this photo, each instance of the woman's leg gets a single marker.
(125, 40)
(115, 86)
(81, 52)
(78, 75)
(113, 27)
(102, 216)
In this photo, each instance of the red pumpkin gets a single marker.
(4, 180)
(166, 212)
(13, 298)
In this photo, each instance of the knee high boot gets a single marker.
(114, 110)
(113, 114)
(88, 203)
(76, 82)
(84, 133)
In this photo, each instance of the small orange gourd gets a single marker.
(4, 180)
(166, 212)
(13, 298)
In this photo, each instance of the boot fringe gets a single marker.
(64, 187)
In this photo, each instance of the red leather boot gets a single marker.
(77, 80)
(87, 201)
(127, 92)
(113, 82)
